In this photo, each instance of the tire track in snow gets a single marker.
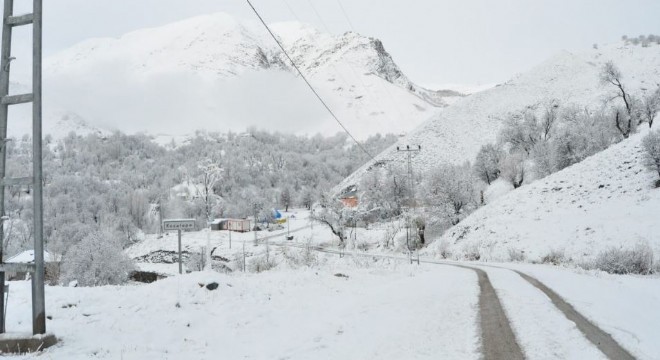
(497, 338)
(602, 340)
(505, 347)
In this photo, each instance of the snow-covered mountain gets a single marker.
(56, 122)
(215, 72)
(608, 200)
(455, 134)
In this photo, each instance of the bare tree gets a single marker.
(624, 119)
(332, 214)
(208, 176)
(549, 119)
(651, 107)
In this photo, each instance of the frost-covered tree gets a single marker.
(542, 157)
(385, 191)
(208, 175)
(285, 198)
(512, 168)
(307, 198)
(332, 213)
(650, 107)
(651, 146)
(452, 189)
(520, 132)
(96, 260)
(487, 165)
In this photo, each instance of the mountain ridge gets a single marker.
(209, 56)
(455, 134)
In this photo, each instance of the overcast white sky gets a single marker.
(434, 41)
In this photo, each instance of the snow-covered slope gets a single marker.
(456, 133)
(217, 73)
(608, 200)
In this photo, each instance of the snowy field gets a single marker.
(383, 309)
(378, 312)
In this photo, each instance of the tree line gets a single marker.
(104, 193)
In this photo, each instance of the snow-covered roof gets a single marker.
(27, 257)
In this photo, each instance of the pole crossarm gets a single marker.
(19, 20)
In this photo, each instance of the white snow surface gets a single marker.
(376, 313)
(606, 201)
(625, 306)
(455, 134)
(213, 69)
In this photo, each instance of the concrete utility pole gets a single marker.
(36, 180)
(409, 150)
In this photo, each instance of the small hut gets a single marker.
(51, 265)
(238, 225)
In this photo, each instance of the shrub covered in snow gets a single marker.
(97, 260)
(472, 251)
(516, 255)
(638, 260)
(443, 249)
(554, 257)
(260, 264)
(305, 257)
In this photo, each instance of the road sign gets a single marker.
(179, 224)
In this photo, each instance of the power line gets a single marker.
(387, 90)
(290, 9)
(355, 74)
(346, 15)
(308, 83)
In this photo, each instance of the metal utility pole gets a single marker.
(36, 180)
(180, 262)
(409, 150)
(160, 218)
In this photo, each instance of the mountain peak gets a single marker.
(204, 64)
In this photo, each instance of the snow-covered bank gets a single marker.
(377, 313)
(607, 201)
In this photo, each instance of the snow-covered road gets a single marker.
(385, 309)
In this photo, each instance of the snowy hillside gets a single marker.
(220, 73)
(608, 200)
(456, 133)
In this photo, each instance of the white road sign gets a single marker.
(179, 224)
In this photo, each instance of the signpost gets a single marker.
(179, 225)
